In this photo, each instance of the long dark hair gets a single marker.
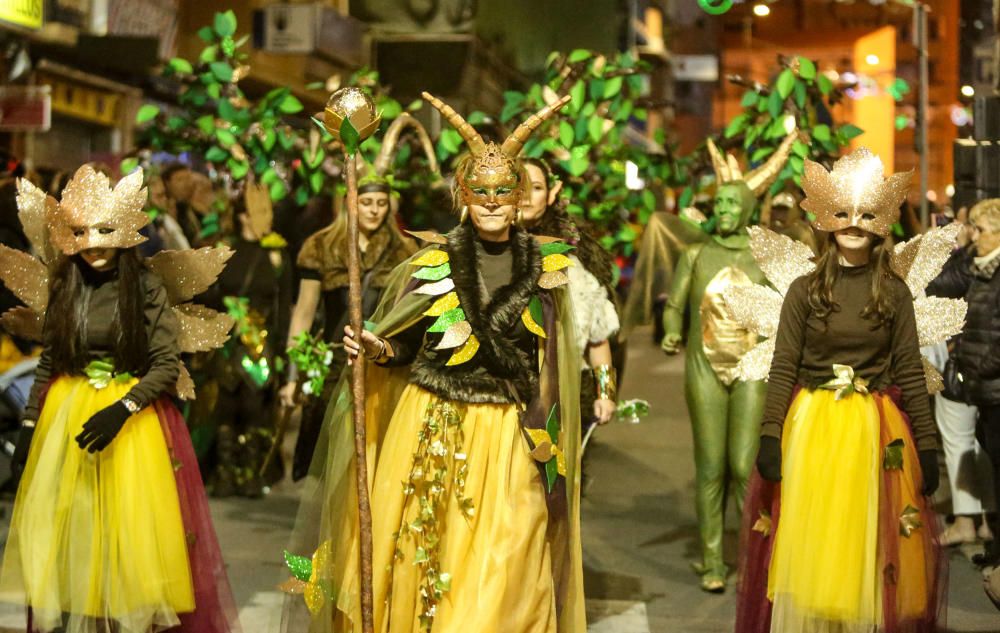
(880, 305)
(69, 310)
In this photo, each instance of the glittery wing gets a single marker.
(26, 276)
(33, 208)
(782, 259)
(188, 273)
(758, 308)
(919, 260)
(201, 329)
(184, 387)
(23, 322)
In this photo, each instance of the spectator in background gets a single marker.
(972, 273)
(179, 182)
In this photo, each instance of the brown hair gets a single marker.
(821, 281)
(69, 304)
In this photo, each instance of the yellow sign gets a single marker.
(26, 13)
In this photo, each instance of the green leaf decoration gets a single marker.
(222, 71)
(206, 124)
(822, 132)
(552, 424)
(800, 94)
(290, 105)
(595, 129)
(225, 23)
(775, 104)
(566, 135)
(824, 84)
(800, 149)
(206, 34)
(902, 122)
(554, 248)
(446, 320)
(577, 95)
(349, 137)
(216, 154)
(736, 126)
(146, 113)
(181, 65)
(849, 131)
(299, 566)
(807, 69)
(786, 82)
(579, 55)
(226, 138)
(893, 458)
(238, 168)
(613, 86)
(536, 311)
(551, 474)
(749, 98)
(129, 165)
(433, 273)
(209, 54)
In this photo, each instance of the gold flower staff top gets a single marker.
(473, 408)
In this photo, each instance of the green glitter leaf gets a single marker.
(552, 424)
(446, 320)
(893, 459)
(535, 308)
(300, 566)
(434, 273)
(551, 473)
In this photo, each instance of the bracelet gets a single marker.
(605, 380)
(130, 404)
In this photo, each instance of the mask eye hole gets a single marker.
(503, 191)
(105, 231)
(868, 216)
(840, 215)
(78, 232)
(479, 191)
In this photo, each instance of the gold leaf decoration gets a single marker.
(763, 524)
(431, 258)
(184, 387)
(24, 322)
(909, 521)
(553, 279)
(456, 335)
(465, 353)
(555, 261)
(529, 322)
(444, 304)
(25, 276)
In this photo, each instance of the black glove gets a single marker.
(929, 470)
(102, 427)
(20, 457)
(769, 458)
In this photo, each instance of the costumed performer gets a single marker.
(473, 430)
(725, 411)
(590, 286)
(848, 542)
(110, 527)
(322, 266)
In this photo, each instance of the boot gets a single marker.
(224, 479)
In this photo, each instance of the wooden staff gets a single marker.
(358, 390)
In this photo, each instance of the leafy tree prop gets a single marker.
(588, 145)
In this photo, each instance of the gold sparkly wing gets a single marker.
(184, 387)
(781, 259)
(33, 209)
(188, 273)
(26, 276)
(23, 322)
(201, 329)
(918, 261)
(758, 308)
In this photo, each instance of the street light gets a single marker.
(872, 59)
(761, 10)
(968, 91)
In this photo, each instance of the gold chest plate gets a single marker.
(723, 340)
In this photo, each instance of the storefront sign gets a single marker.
(25, 108)
(23, 13)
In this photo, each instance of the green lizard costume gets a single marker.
(725, 411)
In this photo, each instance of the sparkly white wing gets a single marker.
(918, 261)
(758, 308)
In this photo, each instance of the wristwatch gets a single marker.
(130, 404)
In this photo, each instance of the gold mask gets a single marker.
(93, 215)
(493, 176)
(855, 193)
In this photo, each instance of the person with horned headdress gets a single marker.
(725, 412)
(473, 428)
(110, 529)
(322, 265)
(838, 531)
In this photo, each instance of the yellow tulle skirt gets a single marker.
(459, 522)
(97, 539)
(854, 550)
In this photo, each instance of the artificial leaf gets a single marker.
(349, 137)
(216, 154)
(222, 71)
(763, 524)
(446, 320)
(825, 85)
(785, 83)
(807, 69)
(893, 458)
(225, 23)
(146, 113)
(300, 566)
(736, 126)
(821, 132)
(435, 273)
(290, 105)
(181, 65)
(909, 521)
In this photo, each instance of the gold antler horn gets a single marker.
(512, 146)
(469, 133)
(391, 141)
(719, 164)
(761, 178)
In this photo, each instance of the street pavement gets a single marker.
(639, 529)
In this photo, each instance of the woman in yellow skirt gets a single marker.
(109, 502)
(473, 425)
(846, 543)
